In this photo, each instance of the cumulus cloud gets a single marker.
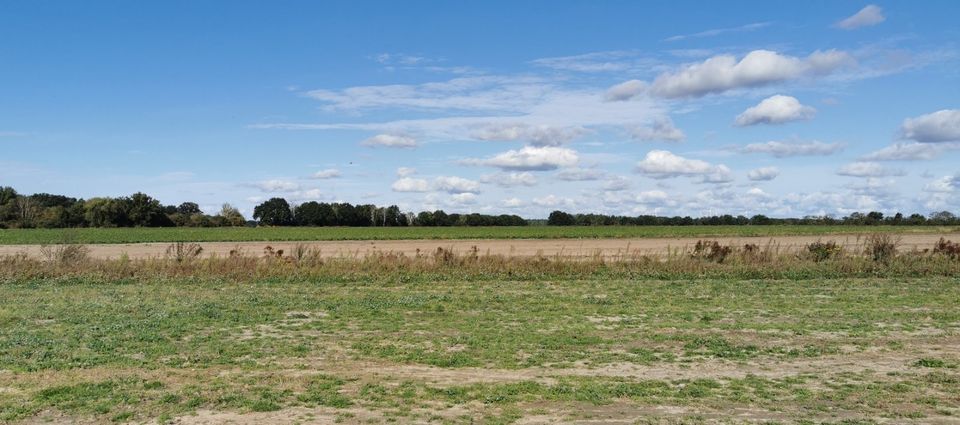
(530, 158)
(512, 203)
(661, 164)
(464, 198)
(409, 184)
(868, 169)
(580, 174)
(536, 135)
(660, 129)
(390, 141)
(868, 16)
(787, 149)
(554, 201)
(758, 68)
(453, 184)
(330, 173)
(625, 91)
(616, 184)
(763, 174)
(936, 127)
(449, 184)
(277, 185)
(652, 197)
(510, 179)
(777, 109)
(945, 184)
(910, 151)
(406, 171)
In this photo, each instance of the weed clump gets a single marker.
(947, 248)
(66, 254)
(711, 251)
(822, 251)
(182, 251)
(881, 247)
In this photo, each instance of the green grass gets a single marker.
(133, 235)
(147, 349)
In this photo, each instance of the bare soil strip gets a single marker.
(567, 248)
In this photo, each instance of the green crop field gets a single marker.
(134, 235)
(490, 351)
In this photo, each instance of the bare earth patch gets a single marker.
(567, 248)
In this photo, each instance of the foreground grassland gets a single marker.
(243, 234)
(448, 346)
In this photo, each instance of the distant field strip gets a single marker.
(247, 234)
(610, 248)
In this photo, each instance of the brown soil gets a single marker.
(573, 248)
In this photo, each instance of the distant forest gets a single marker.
(43, 210)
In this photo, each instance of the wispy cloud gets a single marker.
(721, 31)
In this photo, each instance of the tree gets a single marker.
(232, 216)
(145, 211)
(560, 218)
(308, 214)
(274, 212)
(188, 208)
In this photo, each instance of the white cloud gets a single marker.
(449, 184)
(720, 31)
(510, 179)
(453, 184)
(868, 16)
(787, 149)
(330, 173)
(616, 184)
(945, 184)
(625, 91)
(536, 135)
(408, 184)
(660, 129)
(936, 127)
(758, 68)
(652, 197)
(777, 109)
(476, 93)
(610, 61)
(661, 164)
(464, 198)
(910, 151)
(406, 171)
(554, 201)
(763, 174)
(277, 185)
(390, 141)
(868, 169)
(580, 174)
(512, 203)
(531, 158)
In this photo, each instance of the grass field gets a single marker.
(134, 235)
(739, 335)
(489, 351)
(754, 337)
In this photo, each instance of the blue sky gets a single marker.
(689, 108)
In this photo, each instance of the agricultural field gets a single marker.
(243, 234)
(715, 336)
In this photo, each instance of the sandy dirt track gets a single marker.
(574, 248)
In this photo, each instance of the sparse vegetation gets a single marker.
(460, 337)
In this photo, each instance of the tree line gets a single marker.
(46, 210)
(941, 218)
(278, 212)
